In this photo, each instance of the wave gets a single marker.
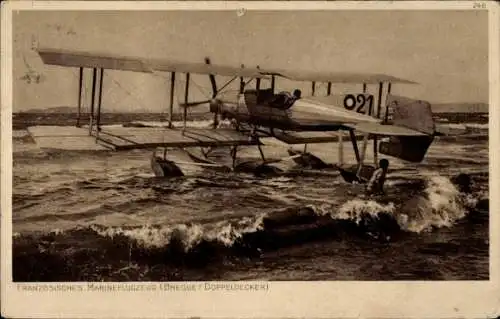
(442, 206)
(439, 204)
(185, 236)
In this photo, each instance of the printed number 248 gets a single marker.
(479, 5)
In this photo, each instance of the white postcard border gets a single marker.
(280, 299)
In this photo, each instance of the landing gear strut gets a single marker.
(234, 151)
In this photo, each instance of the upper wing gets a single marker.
(337, 77)
(115, 62)
(88, 60)
(202, 68)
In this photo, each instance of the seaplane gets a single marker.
(400, 127)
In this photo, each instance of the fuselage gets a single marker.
(284, 111)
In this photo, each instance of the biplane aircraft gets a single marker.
(256, 112)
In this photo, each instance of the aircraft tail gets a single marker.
(408, 148)
(410, 113)
(415, 115)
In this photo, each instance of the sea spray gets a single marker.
(445, 200)
(185, 236)
(440, 205)
(361, 217)
(356, 209)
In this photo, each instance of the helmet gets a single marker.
(383, 163)
(297, 93)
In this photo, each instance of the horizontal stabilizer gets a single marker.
(384, 130)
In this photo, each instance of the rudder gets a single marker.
(412, 114)
(415, 115)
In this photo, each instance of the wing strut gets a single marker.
(186, 95)
(94, 118)
(386, 117)
(379, 102)
(363, 153)
(80, 88)
(242, 81)
(171, 108)
(341, 147)
(99, 102)
(379, 107)
(257, 84)
(213, 82)
(354, 145)
(91, 116)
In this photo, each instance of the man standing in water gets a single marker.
(375, 185)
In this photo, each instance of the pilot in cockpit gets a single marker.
(297, 94)
(285, 100)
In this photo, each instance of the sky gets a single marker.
(446, 52)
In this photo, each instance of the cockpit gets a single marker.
(284, 100)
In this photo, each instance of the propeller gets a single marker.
(212, 80)
(213, 102)
(214, 90)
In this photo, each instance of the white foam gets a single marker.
(356, 208)
(189, 236)
(440, 206)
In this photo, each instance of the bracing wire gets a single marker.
(203, 90)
